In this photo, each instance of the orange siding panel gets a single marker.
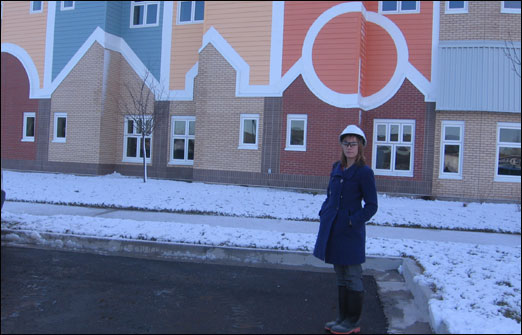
(381, 59)
(336, 53)
(247, 27)
(26, 31)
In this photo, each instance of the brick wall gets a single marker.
(79, 95)
(218, 113)
(484, 21)
(479, 158)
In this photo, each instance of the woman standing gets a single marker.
(342, 233)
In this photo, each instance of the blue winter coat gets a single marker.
(342, 233)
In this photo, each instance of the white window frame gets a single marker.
(399, 10)
(145, 5)
(509, 10)
(186, 137)
(31, 8)
(57, 139)
(62, 6)
(248, 146)
(126, 135)
(25, 137)
(401, 123)
(192, 14)
(289, 119)
(505, 125)
(443, 142)
(449, 10)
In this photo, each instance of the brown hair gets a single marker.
(359, 159)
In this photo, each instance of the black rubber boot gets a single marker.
(351, 324)
(342, 294)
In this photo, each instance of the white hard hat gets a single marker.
(353, 130)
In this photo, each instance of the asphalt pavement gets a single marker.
(62, 292)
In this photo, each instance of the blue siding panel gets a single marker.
(145, 42)
(73, 27)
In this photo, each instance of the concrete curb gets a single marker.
(219, 255)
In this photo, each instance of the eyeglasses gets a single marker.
(349, 144)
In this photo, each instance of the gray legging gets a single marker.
(349, 276)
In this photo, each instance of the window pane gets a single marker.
(67, 4)
(191, 150)
(152, 11)
(389, 5)
(200, 10)
(408, 5)
(249, 132)
(29, 129)
(61, 127)
(192, 127)
(138, 15)
(452, 133)
(451, 158)
(179, 127)
(131, 146)
(456, 4)
(37, 6)
(185, 8)
(509, 135)
(406, 133)
(512, 4)
(402, 158)
(147, 148)
(394, 133)
(381, 132)
(130, 127)
(509, 161)
(297, 132)
(383, 157)
(179, 149)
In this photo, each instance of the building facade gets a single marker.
(256, 92)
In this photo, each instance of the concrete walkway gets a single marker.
(290, 226)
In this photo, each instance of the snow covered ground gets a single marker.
(477, 287)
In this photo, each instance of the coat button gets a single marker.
(342, 180)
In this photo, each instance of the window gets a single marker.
(191, 11)
(510, 7)
(132, 148)
(36, 7)
(67, 5)
(456, 7)
(60, 127)
(248, 131)
(393, 145)
(399, 7)
(144, 14)
(28, 131)
(182, 140)
(296, 132)
(452, 139)
(508, 152)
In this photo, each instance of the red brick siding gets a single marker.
(15, 101)
(326, 122)
(408, 103)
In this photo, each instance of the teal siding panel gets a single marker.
(73, 27)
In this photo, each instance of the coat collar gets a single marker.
(346, 174)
